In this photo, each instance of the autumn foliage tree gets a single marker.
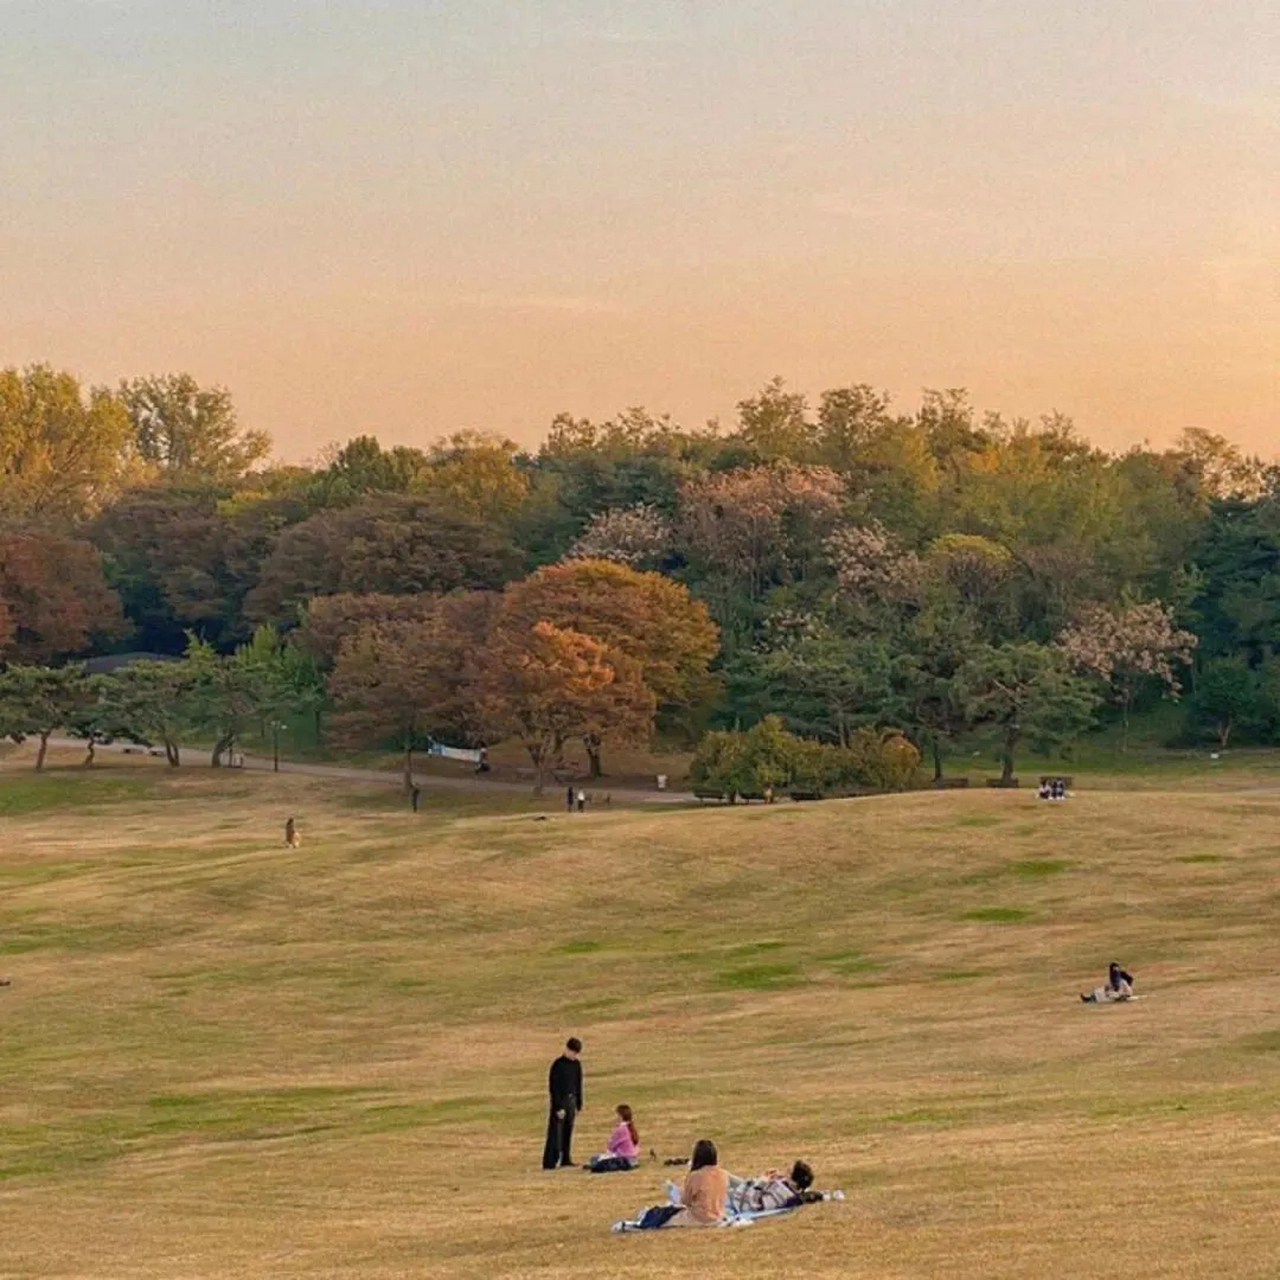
(54, 599)
(544, 685)
(408, 679)
(644, 617)
(395, 545)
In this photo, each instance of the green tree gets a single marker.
(37, 701)
(151, 703)
(1026, 692)
(228, 695)
(180, 426)
(64, 453)
(1228, 695)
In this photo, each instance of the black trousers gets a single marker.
(559, 1136)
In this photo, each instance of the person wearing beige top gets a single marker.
(706, 1189)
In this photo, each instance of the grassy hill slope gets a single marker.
(222, 1057)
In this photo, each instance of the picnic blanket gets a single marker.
(745, 1219)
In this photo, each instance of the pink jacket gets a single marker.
(620, 1143)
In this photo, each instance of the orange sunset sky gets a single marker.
(408, 217)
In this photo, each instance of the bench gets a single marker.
(700, 796)
(806, 795)
(950, 784)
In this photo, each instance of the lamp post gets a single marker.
(276, 726)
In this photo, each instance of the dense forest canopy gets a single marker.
(842, 564)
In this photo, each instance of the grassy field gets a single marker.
(220, 1057)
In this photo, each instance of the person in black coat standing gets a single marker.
(565, 1084)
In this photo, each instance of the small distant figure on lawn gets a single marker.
(291, 837)
(569, 797)
(415, 795)
(1059, 789)
(565, 1087)
(1119, 987)
(482, 762)
(622, 1151)
(582, 801)
(1046, 789)
(6, 982)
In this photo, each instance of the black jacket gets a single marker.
(565, 1082)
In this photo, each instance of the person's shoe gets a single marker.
(1084, 998)
(569, 1164)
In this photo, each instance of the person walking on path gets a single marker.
(565, 1086)
(291, 834)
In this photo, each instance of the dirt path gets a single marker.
(193, 758)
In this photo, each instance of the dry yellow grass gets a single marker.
(224, 1058)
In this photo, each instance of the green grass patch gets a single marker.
(759, 977)
(1201, 857)
(580, 947)
(977, 820)
(62, 790)
(1263, 1042)
(1039, 868)
(998, 915)
(958, 975)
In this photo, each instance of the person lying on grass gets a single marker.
(772, 1191)
(1119, 987)
(623, 1148)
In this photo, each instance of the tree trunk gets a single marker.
(224, 744)
(1224, 732)
(171, 753)
(1124, 720)
(44, 749)
(936, 746)
(592, 743)
(91, 749)
(538, 754)
(408, 766)
(1011, 735)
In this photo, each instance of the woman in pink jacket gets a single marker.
(623, 1148)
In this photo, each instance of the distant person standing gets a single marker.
(291, 834)
(582, 801)
(414, 797)
(565, 1087)
(568, 799)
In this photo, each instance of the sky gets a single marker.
(411, 217)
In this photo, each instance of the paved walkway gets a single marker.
(199, 758)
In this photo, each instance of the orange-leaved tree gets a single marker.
(401, 681)
(546, 684)
(54, 599)
(643, 617)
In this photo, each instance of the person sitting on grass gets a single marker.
(701, 1203)
(623, 1148)
(1119, 987)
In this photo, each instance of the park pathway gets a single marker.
(194, 757)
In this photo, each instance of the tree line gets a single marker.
(842, 565)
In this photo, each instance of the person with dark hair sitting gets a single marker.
(701, 1203)
(1119, 987)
